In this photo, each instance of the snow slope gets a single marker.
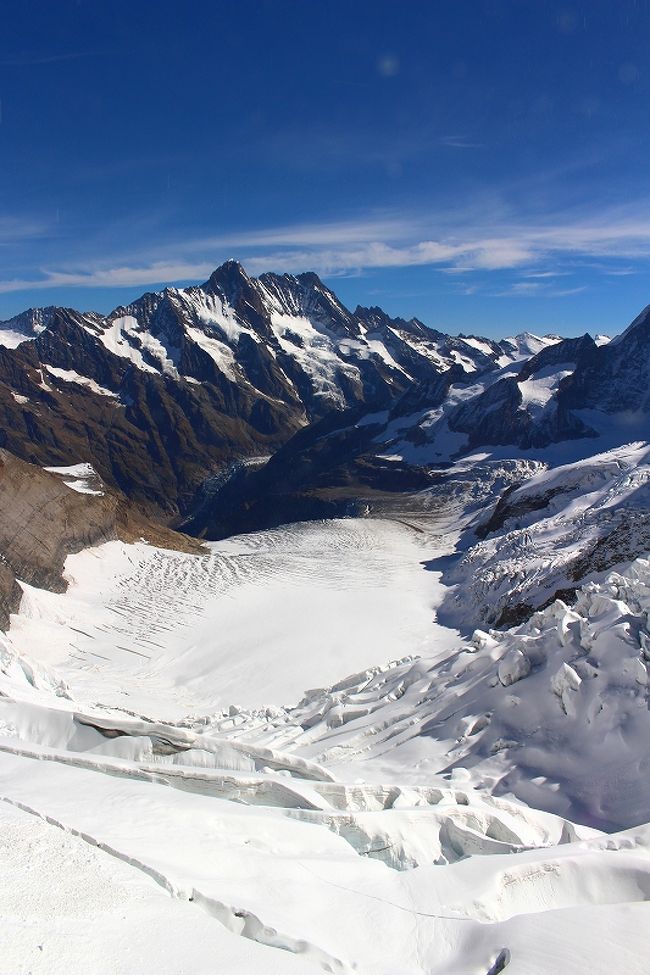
(554, 711)
(290, 895)
(82, 478)
(370, 828)
(561, 525)
(257, 621)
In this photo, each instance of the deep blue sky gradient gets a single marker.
(482, 164)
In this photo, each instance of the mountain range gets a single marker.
(163, 393)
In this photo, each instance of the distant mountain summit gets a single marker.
(616, 376)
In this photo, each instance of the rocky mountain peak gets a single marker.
(577, 351)
(229, 279)
(306, 296)
(638, 330)
(30, 323)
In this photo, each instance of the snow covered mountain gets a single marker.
(162, 393)
(572, 398)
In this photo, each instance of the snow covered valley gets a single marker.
(304, 751)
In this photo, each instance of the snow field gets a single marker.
(235, 821)
(255, 622)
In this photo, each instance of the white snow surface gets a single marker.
(553, 522)
(537, 391)
(189, 781)
(124, 337)
(317, 352)
(524, 345)
(82, 478)
(213, 312)
(70, 376)
(11, 339)
(255, 622)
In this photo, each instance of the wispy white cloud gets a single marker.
(28, 60)
(456, 270)
(520, 289)
(341, 232)
(451, 242)
(459, 142)
(460, 245)
(536, 289)
(111, 277)
(543, 275)
(13, 229)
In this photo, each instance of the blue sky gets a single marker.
(482, 164)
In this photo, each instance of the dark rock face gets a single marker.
(627, 537)
(616, 377)
(494, 417)
(307, 296)
(506, 509)
(580, 352)
(154, 438)
(327, 470)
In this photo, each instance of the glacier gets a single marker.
(471, 799)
